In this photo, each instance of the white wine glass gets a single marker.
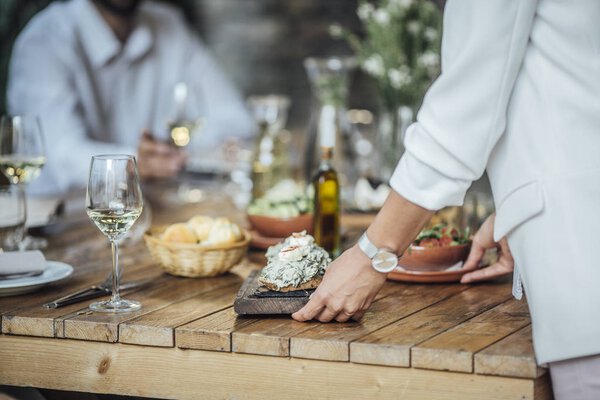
(22, 157)
(186, 121)
(114, 202)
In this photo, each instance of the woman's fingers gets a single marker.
(475, 256)
(313, 308)
(358, 315)
(341, 294)
(493, 271)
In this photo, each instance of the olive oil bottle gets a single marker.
(326, 222)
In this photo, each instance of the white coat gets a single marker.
(519, 95)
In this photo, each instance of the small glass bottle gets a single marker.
(326, 221)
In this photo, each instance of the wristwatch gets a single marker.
(382, 260)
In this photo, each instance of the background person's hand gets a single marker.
(158, 160)
(483, 240)
(347, 290)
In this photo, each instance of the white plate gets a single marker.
(54, 271)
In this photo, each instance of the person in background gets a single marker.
(101, 75)
(519, 95)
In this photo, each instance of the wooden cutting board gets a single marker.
(255, 299)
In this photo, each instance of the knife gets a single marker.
(20, 275)
(93, 292)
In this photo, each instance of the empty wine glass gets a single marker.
(114, 202)
(22, 157)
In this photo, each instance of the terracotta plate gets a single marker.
(427, 276)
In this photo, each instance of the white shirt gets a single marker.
(519, 95)
(95, 95)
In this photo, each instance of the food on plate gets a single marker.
(287, 199)
(297, 263)
(442, 235)
(179, 233)
(205, 231)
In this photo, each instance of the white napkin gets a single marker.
(21, 262)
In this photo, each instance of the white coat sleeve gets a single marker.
(42, 82)
(464, 112)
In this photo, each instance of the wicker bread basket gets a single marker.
(194, 260)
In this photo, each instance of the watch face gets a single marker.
(385, 261)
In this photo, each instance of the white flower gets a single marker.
(381, 16)
(374, 65)
(429, 60)
(413, 27)
(364, 11)
(399, 77)
(336, 30)
(430, 34)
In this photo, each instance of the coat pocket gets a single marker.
(518, 206)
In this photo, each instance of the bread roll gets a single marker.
(223, 232)
(200, 225)
(179, 233)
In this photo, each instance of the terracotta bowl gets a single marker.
(280, 227)
(418, 258)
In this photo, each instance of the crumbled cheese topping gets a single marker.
(295, 261)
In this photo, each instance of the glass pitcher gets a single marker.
(270, 160)
(329, 84)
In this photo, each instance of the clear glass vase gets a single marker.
(329, 84)
(270, 160)
(391, 127)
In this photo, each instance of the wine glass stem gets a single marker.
(22, 245)
(116, 298)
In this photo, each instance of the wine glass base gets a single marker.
(33, 243)
(121, 306)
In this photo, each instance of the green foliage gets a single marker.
(400, 49)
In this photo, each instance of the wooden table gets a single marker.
(417, 342)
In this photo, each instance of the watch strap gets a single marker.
(366, 246)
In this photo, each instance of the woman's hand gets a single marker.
(347, 291)
(483, 240)
(158, 160)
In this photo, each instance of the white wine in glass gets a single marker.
(22, 156)
(114, 202)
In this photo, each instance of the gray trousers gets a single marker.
(576, 379)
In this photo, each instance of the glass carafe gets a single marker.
(270, 161)
(329, 83)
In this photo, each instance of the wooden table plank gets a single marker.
(454, 349)
(212, 332)
(104, 326)
(32, 319)
(194, 374)
(391, 345)
(331, 341)
(271, 336)
(157, 328)
(512, 356)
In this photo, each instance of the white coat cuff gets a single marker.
(424, 186)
